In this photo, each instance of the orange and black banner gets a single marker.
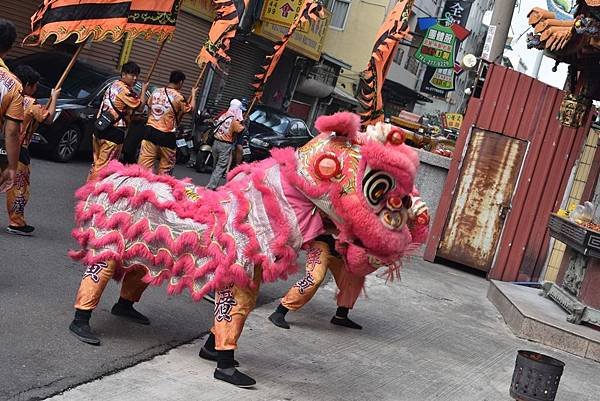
(98, 19)
(95, 19)
(311, 11)
(221, 32)
(372, 78)
(148, 18)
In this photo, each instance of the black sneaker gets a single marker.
(212, 356)
(20, 230)
(130, 313)
(344, 321)
(210, 297)
(278, 319)
(237, 378)
(83, 332)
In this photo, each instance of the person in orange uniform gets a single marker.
(11, 109)
(120, 101)
(18, 196)
(166, 108)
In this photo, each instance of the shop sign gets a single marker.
(453, 120)
(456, 12)
(281, 12)
(439, 81)
(200, 8)
(308, 43)
(437, 48)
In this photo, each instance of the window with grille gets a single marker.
(398, 56)
(412, 64)
(339, 12)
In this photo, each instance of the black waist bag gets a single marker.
(106, 119)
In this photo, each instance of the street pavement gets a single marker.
(38, 282)
(432, 337)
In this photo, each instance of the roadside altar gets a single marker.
(577, 288)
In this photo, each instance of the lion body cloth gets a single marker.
(203, 240)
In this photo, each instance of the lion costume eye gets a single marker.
(376, 184)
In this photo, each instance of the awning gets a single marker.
(335, 61)
(395, 91)
(345, 97)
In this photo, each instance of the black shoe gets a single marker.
(212, 356)
(20, 230)
(345, 322)
(83, 332)
(278, 319)
(237, 378)
(130, 313)
(210, 297)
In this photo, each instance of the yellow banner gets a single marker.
(280, 12)
(454, 120)
(307, 40)
(199, 8)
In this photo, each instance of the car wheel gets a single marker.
(67, 144)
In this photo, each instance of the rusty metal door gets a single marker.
(482, 199)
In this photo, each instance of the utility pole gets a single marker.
(501, 19)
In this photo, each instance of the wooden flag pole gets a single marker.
(200, 75)
(252, 104)
(70, 66)
(151, 70)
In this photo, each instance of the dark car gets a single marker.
(81, 96)
(272, 128)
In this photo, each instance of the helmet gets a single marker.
(244, 103)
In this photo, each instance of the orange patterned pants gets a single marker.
(18, 196)
(232, 306)
(150, 152)
(104, 152)
(97, 276)
(318, 261)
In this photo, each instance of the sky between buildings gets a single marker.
(519, 44)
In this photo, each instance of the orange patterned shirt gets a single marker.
(164, 113)
(35, 114)
(124, 99)
(11, 96)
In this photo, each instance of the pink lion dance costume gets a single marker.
(147, 229)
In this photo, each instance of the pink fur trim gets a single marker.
(343, 124)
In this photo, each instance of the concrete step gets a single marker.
(536, 318)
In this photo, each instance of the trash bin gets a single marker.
(536, 377)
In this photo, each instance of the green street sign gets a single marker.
(437, 48)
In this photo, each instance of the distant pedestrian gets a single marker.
(231, 126)
(35, 114)
(11, 109)
(166, 108)
(119, 101)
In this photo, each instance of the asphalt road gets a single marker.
(38, 281)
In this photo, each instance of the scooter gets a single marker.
(185, 145)
(204, 158)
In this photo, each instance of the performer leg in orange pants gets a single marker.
(16, 200)
(232, 306)
(104, 151)
(150, 152)
(91, 288)
(319, 259)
